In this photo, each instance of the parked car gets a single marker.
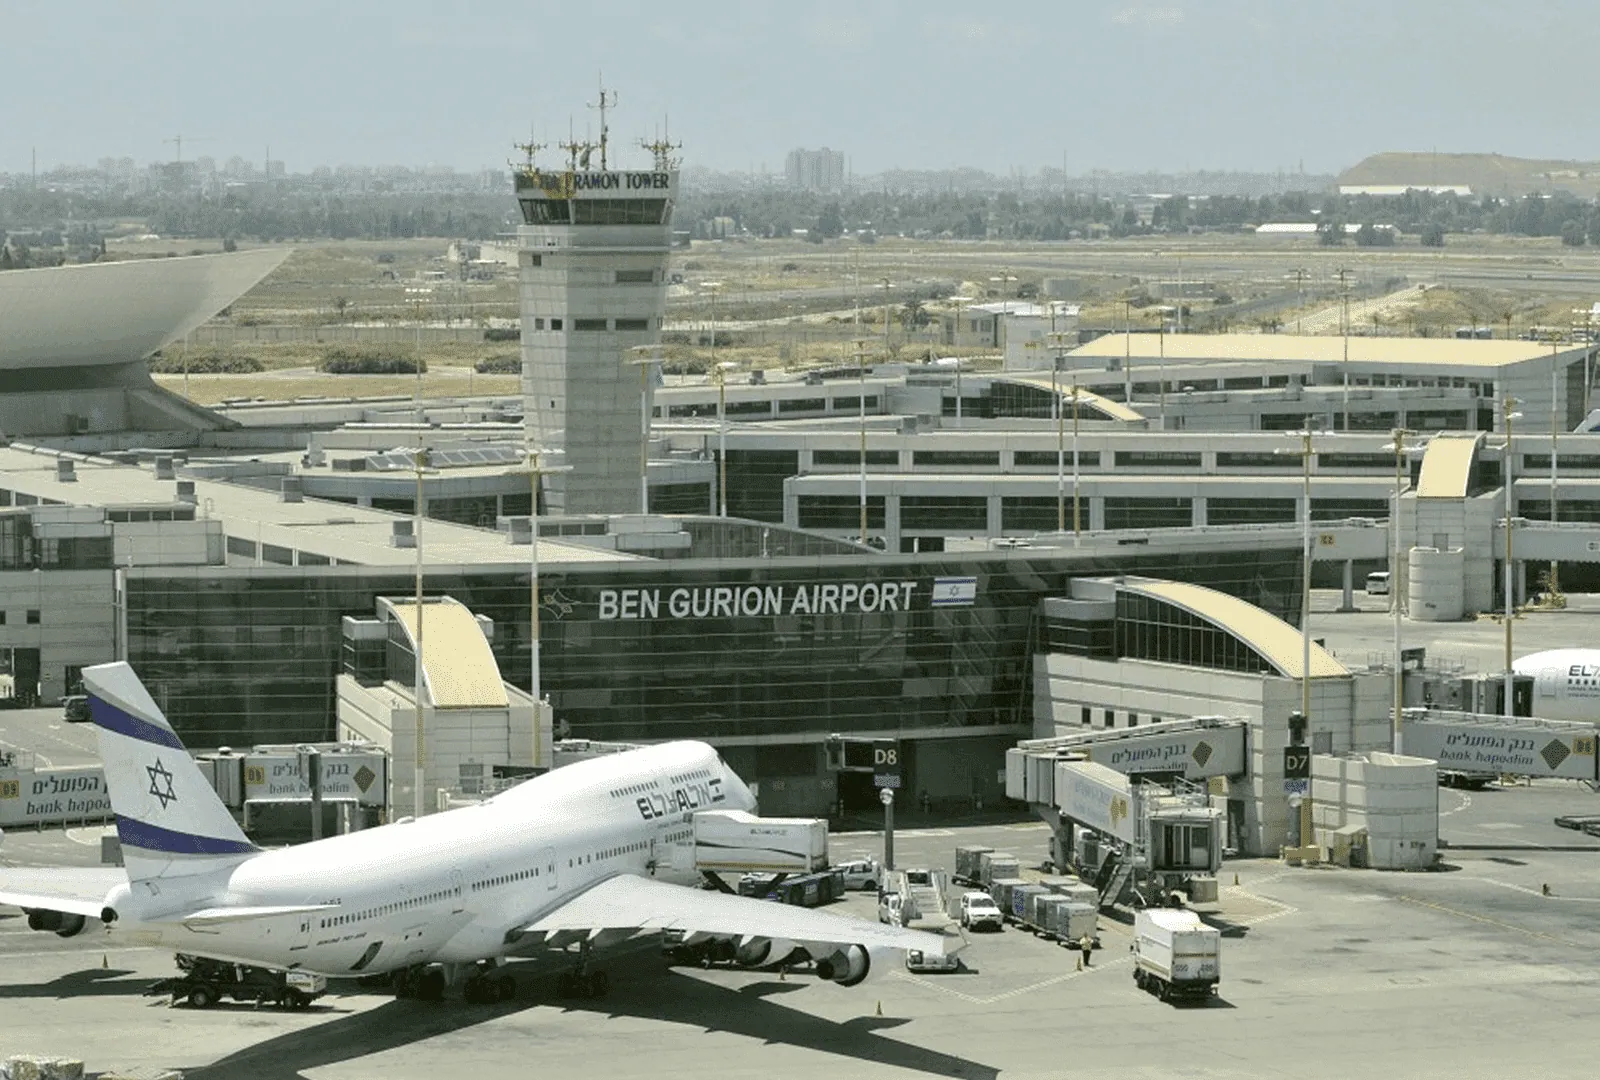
(862, 874)
(75, 709)
(979, 912)
(889, 908)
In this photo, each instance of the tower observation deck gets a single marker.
(592, 261)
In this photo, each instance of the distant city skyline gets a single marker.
(1122, 86)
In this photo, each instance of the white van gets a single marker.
(1378, 583)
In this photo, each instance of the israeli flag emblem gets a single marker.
(955, 591)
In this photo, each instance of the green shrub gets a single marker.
(346, 361)
(508, 364)
(205, 363)
(496, 333)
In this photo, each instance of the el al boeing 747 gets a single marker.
(565, 859)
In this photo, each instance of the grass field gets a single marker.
(286, 385)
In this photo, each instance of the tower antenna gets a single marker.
(661, 149)
(608, 100)
(529, 149)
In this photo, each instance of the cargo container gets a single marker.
(1000, 889)
(1175, 954)
(1075, 921)
(1019, 909)
(993, 865)
(733, 840)
(968, 872)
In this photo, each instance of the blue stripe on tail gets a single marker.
(112, 718)
(147, 837)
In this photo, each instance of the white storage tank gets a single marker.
(1436, 584)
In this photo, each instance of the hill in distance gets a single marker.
(1485, 174)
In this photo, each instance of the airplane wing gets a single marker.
(628, 902)
(74, 890)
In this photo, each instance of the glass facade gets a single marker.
(653, 650)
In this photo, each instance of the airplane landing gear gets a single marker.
(580, 981)
(484, 987)
(420, 982)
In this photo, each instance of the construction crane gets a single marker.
(177, 141)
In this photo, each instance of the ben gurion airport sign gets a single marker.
(833, 598)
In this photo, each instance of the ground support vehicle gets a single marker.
(205, 981)
(1175, 955)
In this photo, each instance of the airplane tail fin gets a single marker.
(169, 818)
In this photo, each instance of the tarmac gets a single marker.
(1471, 971)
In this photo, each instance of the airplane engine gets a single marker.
(63, 924)
(849, 966)
(752, 952)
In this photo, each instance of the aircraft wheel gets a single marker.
(567, 984)
(507, 987)
(202, 996)
(598, 984)
(430, 985)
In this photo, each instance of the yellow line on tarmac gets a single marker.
(1486, 920)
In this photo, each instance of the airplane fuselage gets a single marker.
(453, 887)
(1566, 683)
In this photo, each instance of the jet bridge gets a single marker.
(1142, 832)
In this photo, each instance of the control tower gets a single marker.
(592, 260)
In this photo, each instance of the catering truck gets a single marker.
(732, 840)
(1175, 954)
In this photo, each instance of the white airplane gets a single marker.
(1566, 683)
(560, 860)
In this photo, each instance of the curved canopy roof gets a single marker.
(1275, 640)
(1108, 409)
(118, 312)
(1447, 466)
(458, 668)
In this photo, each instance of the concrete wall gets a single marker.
(76, 621)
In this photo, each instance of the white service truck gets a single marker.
(1175, 954)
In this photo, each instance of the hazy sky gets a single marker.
(1246, 84)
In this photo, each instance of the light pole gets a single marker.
(1127, 350)
(1344, 329)
(1162, 333)
(1400, 451)
(886, 313)
(1305, 453)
(1060, 415)
(1555, 430)
(712, 287)
(645, 358)
(1077, 518)
(955, 340)
(861, 406)
(536, 691)
(418, 802)
(720, 373)
(1509, 683)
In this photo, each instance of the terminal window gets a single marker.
(555, 324)
(588, 324)
(633, 324)
(635, 277)
(33, 616)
